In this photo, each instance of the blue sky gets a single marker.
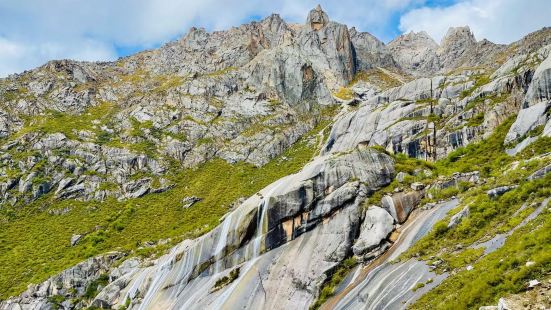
(35, 31)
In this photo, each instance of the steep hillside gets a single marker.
(278, 165)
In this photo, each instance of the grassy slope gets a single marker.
(35, 244)
(503, 271)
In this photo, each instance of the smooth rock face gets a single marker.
(415, 53)
(377, 225)
(527, 119)
(370, 52)
(540, 87)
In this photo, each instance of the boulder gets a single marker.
(498, 191)
(189, 201)
(75, 239)
(401, 176)
(400, 205)
(457, 218)
(417, 186)
(540, 173)
(137, 188)
(377, 225)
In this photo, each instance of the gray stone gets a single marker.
(401, 176)
(75, 239)
(190, 201)
(498, 191)
(417, 186)
(377, 225)
(457, 218)
(400, 205)
(538, 174)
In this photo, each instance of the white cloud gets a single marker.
(16, 56)
(500, 21)
(35, 31)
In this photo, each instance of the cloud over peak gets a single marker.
(35, 31)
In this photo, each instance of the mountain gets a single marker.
(277, 165)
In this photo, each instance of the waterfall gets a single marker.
(222, 241)
(261, 214)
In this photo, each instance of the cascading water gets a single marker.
(262, 210)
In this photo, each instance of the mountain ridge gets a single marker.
(330, 140)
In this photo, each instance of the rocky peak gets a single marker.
(365, 37)
(415, 52)
(414, 39)
(370, 51)
(317, 18)
(458, 47)
(458, 37)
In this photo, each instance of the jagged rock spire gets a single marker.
(462, 35)
(317, 18)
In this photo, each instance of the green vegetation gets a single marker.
(334, 280)
(487, 156)
(344, 93)
(225, 280)
(415, 168)
(221, 72)
(476, 120)
(34, 244)
(377, 77)
(498, 273)
(480, 80)
(56, 301)
(69, 124)
(167, 82)
(93, 289)
(503, 271)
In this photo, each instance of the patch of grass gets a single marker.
(225, 280)
(480, 80)
(418, 286)
(402, 163)
(536, 131)
(541, 146)
(476, 120)
(221, 72)
(376, 77)
(485, 156)
(68, 124)
(93, 289)
(328, 289)
(344, 93)
(503, 271)
(167, 82)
